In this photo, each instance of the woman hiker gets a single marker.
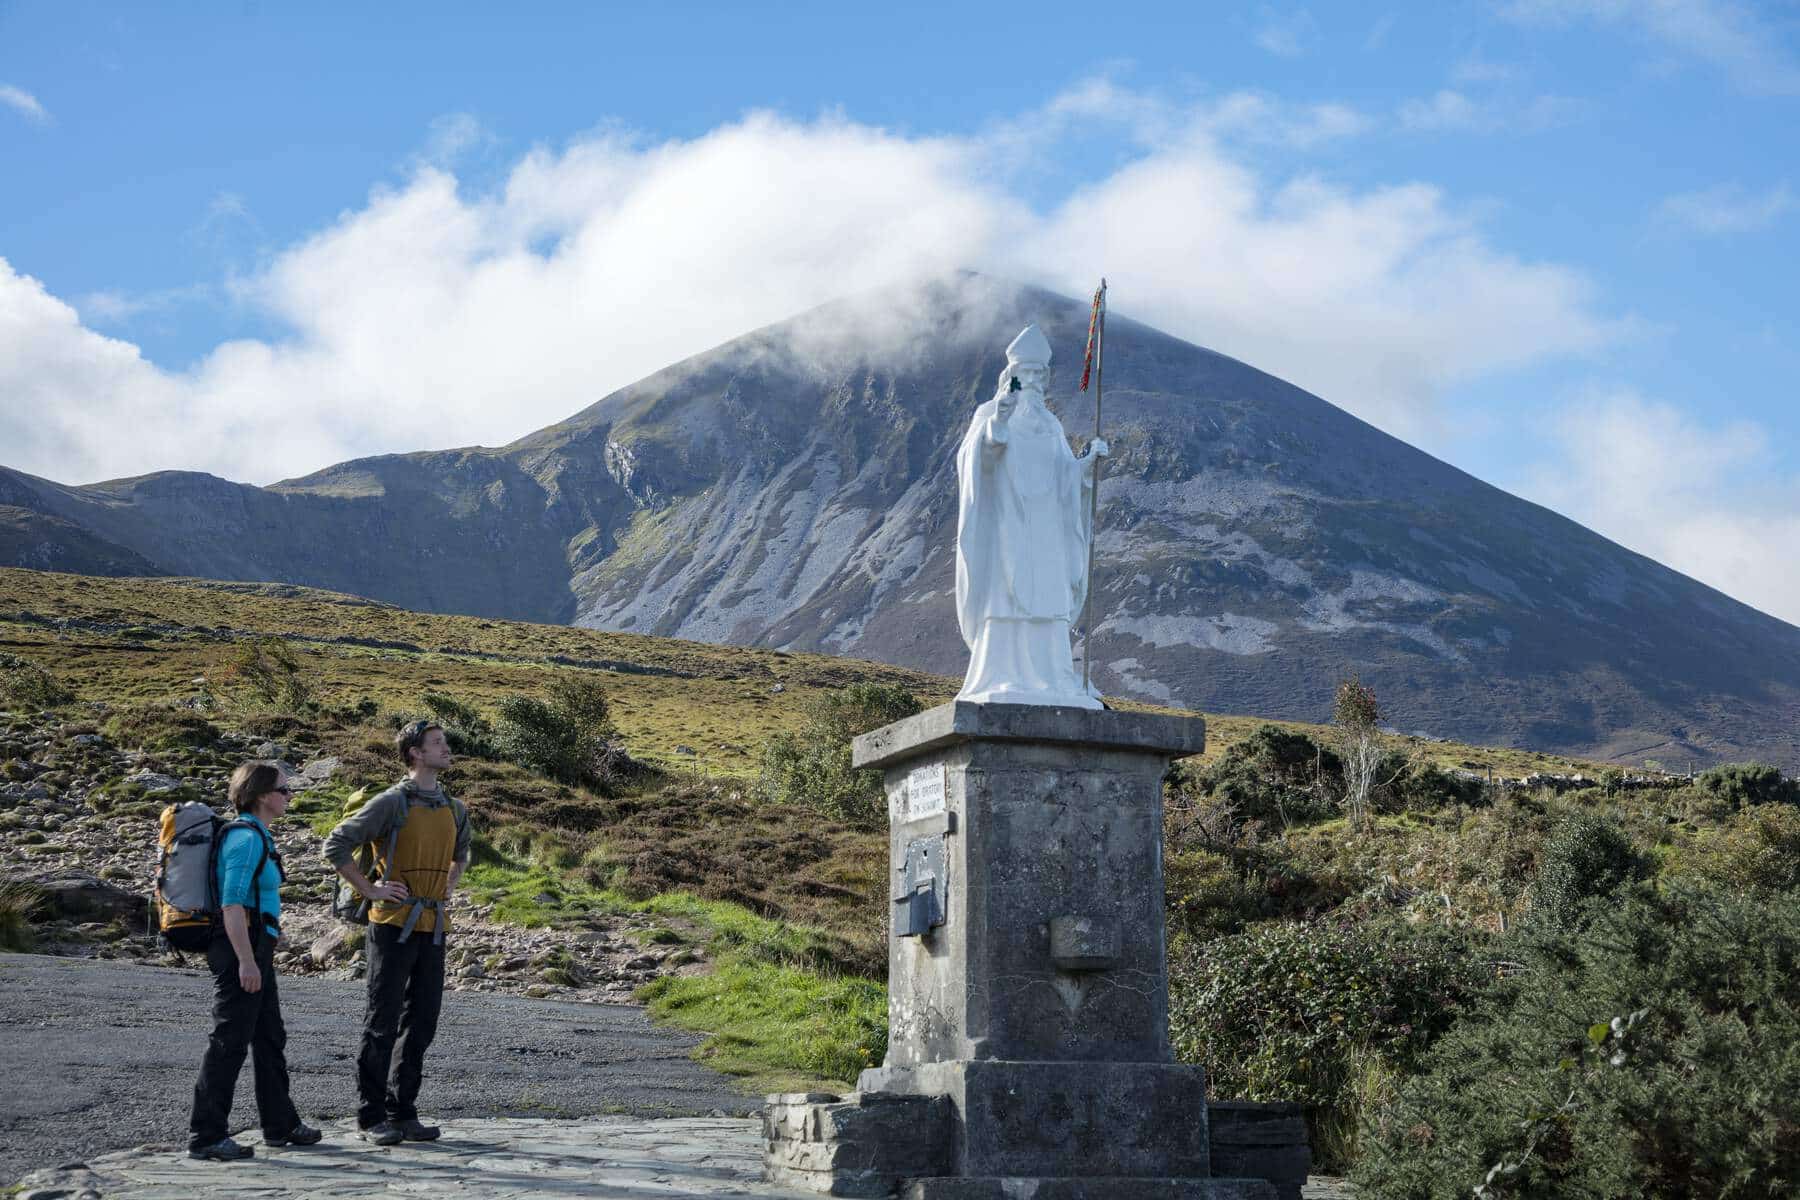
(246, 1005)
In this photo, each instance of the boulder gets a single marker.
(80, 897)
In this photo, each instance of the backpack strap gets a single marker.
(267, 841)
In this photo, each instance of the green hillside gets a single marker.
(146, 640)
(1525, 942)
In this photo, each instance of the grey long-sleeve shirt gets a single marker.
(378, 818)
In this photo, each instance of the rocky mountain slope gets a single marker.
(795, 488)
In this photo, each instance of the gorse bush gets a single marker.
(1652, 1052)
(1757, 848)
(1312, 1012)
(812, 768)
(570, 738)
(26, 685)
(1274, 776)
(1418, 786)
(1587, 855)
(1743, 784)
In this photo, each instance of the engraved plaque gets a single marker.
(923, 793)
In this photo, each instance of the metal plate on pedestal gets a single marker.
(919, 900)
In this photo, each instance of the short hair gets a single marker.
(411, 737)
(250, 781)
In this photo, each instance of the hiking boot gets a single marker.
(223, 1150)
(300, 1135)
(385, 1134)
(415, 1132)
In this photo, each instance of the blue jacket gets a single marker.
(238, 855)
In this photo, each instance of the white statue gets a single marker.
(1022, 530)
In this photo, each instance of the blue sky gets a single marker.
(1551, 241)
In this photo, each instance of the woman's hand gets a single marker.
(249, 975)
(395, 890)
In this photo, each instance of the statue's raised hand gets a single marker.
(1099, 449)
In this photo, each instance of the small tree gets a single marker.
(264, 675)
(1357, 716)
(571, 738)
(812, 767)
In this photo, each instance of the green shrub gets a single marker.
(160, 727)
(1586, 855)
(467, 731)
(812, 769)
(1208, 894)
(1309, 1012)
(1654, 1052)
(262, 675)
(1743, 784)
(1759, 847)
(1274, 776)
(1419, 786)
(26, 685)
(570, 738)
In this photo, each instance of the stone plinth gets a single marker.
(1266, 1141)
(1041, 1119)
(861, 1145)
(1052, 942)
(1027, 968)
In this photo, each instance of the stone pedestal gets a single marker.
(1027, 967)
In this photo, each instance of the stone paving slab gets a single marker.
(500, 1158)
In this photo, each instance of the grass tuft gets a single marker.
(21, 907)
(779, 1027)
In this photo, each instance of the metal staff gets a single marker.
(1096, 360)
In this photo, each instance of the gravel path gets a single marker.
(98, 1056)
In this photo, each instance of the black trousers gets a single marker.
(406, 992)
(243, 1022)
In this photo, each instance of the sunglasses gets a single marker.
(286, 791)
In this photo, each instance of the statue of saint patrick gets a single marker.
(1022, 528)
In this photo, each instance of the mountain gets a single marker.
(795, 488)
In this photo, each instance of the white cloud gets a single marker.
(1446, 110)
(1703, 499)
(1287, 35)
(433, 316)
(1377, 36)
(1258, 118)
(22, 101)
(1726, 209)
(112, 307)
(1729, 35)
(1452, 111)
(1477, 70)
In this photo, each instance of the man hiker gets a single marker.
(420, 838)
